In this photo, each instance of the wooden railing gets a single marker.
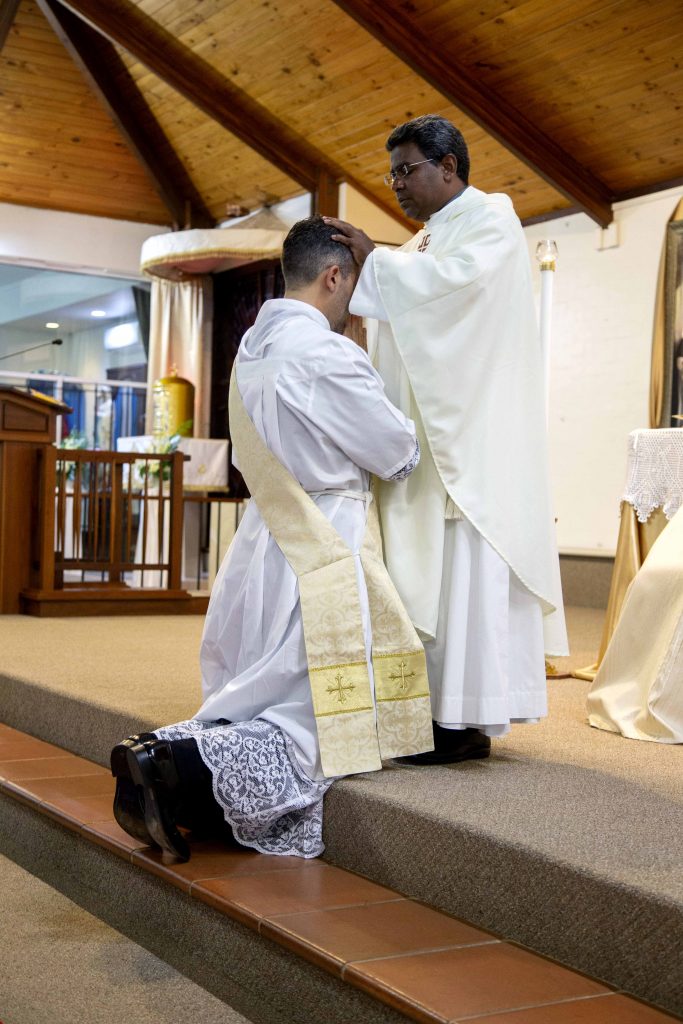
(110, 518)
(205, 547)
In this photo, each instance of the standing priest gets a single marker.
(469, 537)
(311, 668)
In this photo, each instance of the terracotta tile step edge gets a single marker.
(424, 963)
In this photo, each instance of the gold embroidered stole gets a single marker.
(351, 736)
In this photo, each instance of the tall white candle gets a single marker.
(546, 254)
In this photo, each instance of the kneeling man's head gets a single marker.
(318, 270)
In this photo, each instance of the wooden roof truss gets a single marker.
(139, 57)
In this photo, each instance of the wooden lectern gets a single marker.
(28, 422)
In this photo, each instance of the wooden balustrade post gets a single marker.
(46, 517)
(175, 533)
(116, 523)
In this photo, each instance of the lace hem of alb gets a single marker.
(655, 472)
(270, 804)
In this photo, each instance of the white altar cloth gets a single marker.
(655, 471)
(207, 469)
(653, 495)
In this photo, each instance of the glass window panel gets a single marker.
(80, 337)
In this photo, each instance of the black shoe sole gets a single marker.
(158, 818)
(129, 814)
(455, 758)
(129, 801)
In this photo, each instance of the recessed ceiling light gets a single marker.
(52, 326)
(98, 312)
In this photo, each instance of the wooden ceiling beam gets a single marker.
(120, 21)
(326, 196)
(8, 10)
(388, 23)
(111, 81)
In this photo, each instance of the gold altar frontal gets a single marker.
(633, 546)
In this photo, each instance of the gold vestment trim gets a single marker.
(342, 711)
(399, 654)
(411, 696)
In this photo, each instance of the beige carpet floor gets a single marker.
(136, 661)
(145, 665)
(61, 965)
(144, 672)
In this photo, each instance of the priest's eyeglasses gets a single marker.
(403, 170)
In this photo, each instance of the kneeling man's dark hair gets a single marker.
(436, 138)
(308, 250)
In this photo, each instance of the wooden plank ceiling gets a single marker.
(165, 111)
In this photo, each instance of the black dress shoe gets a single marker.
(129, 801)
(151, 767)
(452, 746)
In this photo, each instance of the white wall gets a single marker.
(366, 215)
(600, 362)
(70, 241)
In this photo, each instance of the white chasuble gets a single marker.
(458, 349)
(319, 406)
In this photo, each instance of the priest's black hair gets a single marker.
(436, 138)
(308, 250)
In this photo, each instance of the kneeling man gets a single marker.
(311, 668)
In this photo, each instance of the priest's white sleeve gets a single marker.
(366, 299)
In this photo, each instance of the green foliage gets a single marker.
(164, 446)
(75, 441)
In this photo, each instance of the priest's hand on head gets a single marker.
(358, 242)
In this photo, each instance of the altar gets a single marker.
(652, 496)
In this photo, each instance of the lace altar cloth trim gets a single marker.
(655, 471)
(271, 805)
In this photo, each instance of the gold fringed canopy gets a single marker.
(182, 255)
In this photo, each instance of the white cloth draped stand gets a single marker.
(655, 472)
(637, 679)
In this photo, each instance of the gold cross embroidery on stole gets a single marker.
(340, 688)
(402, 675)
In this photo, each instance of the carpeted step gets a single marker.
(565, 840)
(279, 939)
